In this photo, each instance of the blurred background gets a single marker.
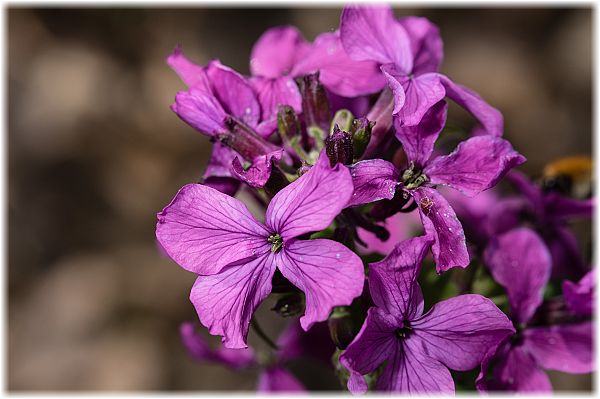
(94, 152)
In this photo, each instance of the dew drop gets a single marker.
(337, 256)
(302, 258)
(330, 50)
(450, 229)
(248, 110)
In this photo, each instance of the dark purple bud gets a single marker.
(315, 105)
(342, 327)
(244, 140)
(361, 135)
(289, 305)
(338, 147)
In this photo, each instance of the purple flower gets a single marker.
(215, 236)
(549, 212)
(419, 348)
(520, 262)
(409, 51)
(579, 296)
(475, 165)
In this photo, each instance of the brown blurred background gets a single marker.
(94, 152)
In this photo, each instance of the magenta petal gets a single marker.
(204, 230)
(439, 220)
(373, 179)
(275, 92)
(190, 73)
(567, 257)
(418, 141)
(218, 171)
(475, 165)
(337, 71)
(566, 348)
(410, 370)
(234, 93)
(559, 207)
(425, 43)
(517, 371)
(326, 271)
(372, 33)
(311, 202)
(278, 379)
(528, 188)
(580, 296)
(277, 51)
(260, 170)
(226, 301)
(315, 344)
(373, 345)
(520, 262)
(201, 110)
(461, 330)
(393, 281)
(490, 118)
(200, 350)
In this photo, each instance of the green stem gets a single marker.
(262, 334)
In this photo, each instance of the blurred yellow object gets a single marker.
(570, 176)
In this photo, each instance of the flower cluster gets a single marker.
(335, 143)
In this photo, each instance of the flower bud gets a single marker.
(342, 327)
(315, 104)
(343, 119)
(243, 139)
(289, 305)
(338, 147)
(361, 135)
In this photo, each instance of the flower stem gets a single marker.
(262, 334)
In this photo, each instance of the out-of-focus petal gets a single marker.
(276, 52)
(278, 379)
(200, 350)
(296, 343)
(461, 330)
(393, 281)
(425, 43)
(566, 348)
(191, 74)
(567, 257)
(580, 296)
(311, 202)
(326, 271)
(226, 301)
(520, 262)
(475, 165)
(204, 230)
(372, 33)
(558, 207)
(517, 371)
(275, 92)
(439, 220)
(373, 179)
(259, 172)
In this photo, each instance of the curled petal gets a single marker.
(327, 272)
(259, 172)
(311, 202)
(476, 165)
(520, 262)
(226, 301)
(373, 179)
(204, 230)
(277, 51)
(439, 220)
(201, 110)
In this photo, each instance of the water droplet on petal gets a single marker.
(337, 256)
(248, 110)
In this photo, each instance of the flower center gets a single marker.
(404, 331)
(413, 177)
(276, 242)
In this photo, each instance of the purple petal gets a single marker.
(461, 330)
(439, 220)
(234, 93)
(278, 379)
(275, 92)
(418, 141)
(338, 72)
(374, 344)
(201, 110)
(520, 262)
(579, 296)
(260, 170)
(226, 301)
(517, 371)
(277, 51)
(490, 118)
(373, 179)
(411, 370)
(372, 33)
(528, 188)
(311, 202)
(204, 230)
(558, 207)
(567, 258)
(476, 165)
(191, 74)
(566, 348)
(425, 43)
(295, 343)
(393, 281)
(218, 171)
(327, 272)
(200, 350)
(505, 214)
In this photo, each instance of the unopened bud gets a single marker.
(361, 135)
(338, 147)
(342, 327)
(289, 305)
(315, 104)
(243, 139)
(343, 119)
